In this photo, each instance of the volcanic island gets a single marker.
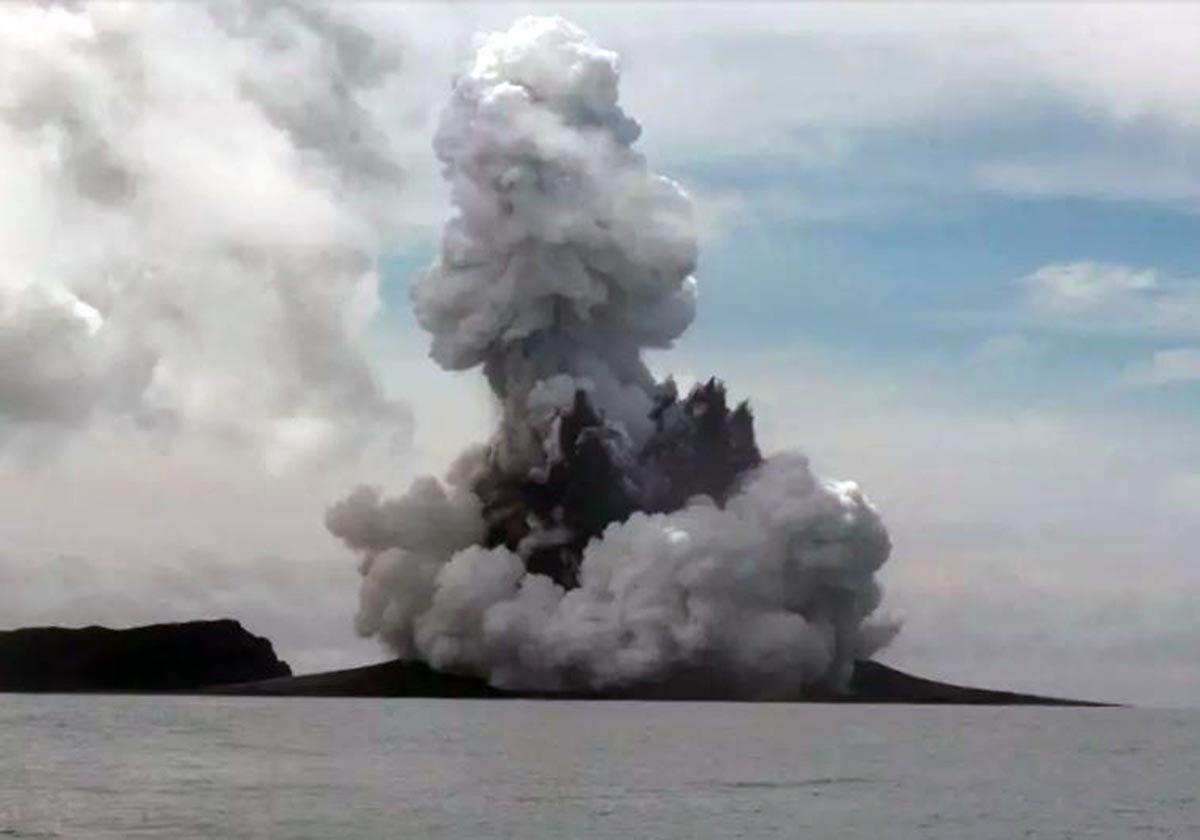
(221, 657)
(618, 536)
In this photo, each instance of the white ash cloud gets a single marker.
(565, 259)
(770, 591)
(562, 237)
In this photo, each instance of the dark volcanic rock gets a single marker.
(159, 657)
(387, 679)
(872, 683)
(699, 447)
(876, 683)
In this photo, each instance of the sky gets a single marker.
(948, 251)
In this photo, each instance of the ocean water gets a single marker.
(147, 767)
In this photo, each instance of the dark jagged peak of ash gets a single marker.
(699, 447)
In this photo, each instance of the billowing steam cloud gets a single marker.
(611, 533)
(193, 194)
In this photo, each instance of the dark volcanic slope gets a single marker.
(155, 658)
(387, 679)
(872, 683)
(876, 683)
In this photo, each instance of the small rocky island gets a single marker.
(155, 658)
(222, 657)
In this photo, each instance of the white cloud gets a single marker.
(1082, 286)
(1119, 300)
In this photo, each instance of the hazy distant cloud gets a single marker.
(1181, 492)
(846, 66)
(958, 97)
(1108, 642)
(296, 602)
(118, 531)
(1114, 299)
(999, 348)
(1166, 367)
(1175, 183)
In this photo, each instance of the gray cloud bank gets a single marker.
(195, 196)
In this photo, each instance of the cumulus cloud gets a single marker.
(195, 197)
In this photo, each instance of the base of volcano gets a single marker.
(873, 682)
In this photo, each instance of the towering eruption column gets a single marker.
(610, 533)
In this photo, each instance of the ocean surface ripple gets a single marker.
(156, 767)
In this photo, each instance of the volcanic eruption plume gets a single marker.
(613, 532)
